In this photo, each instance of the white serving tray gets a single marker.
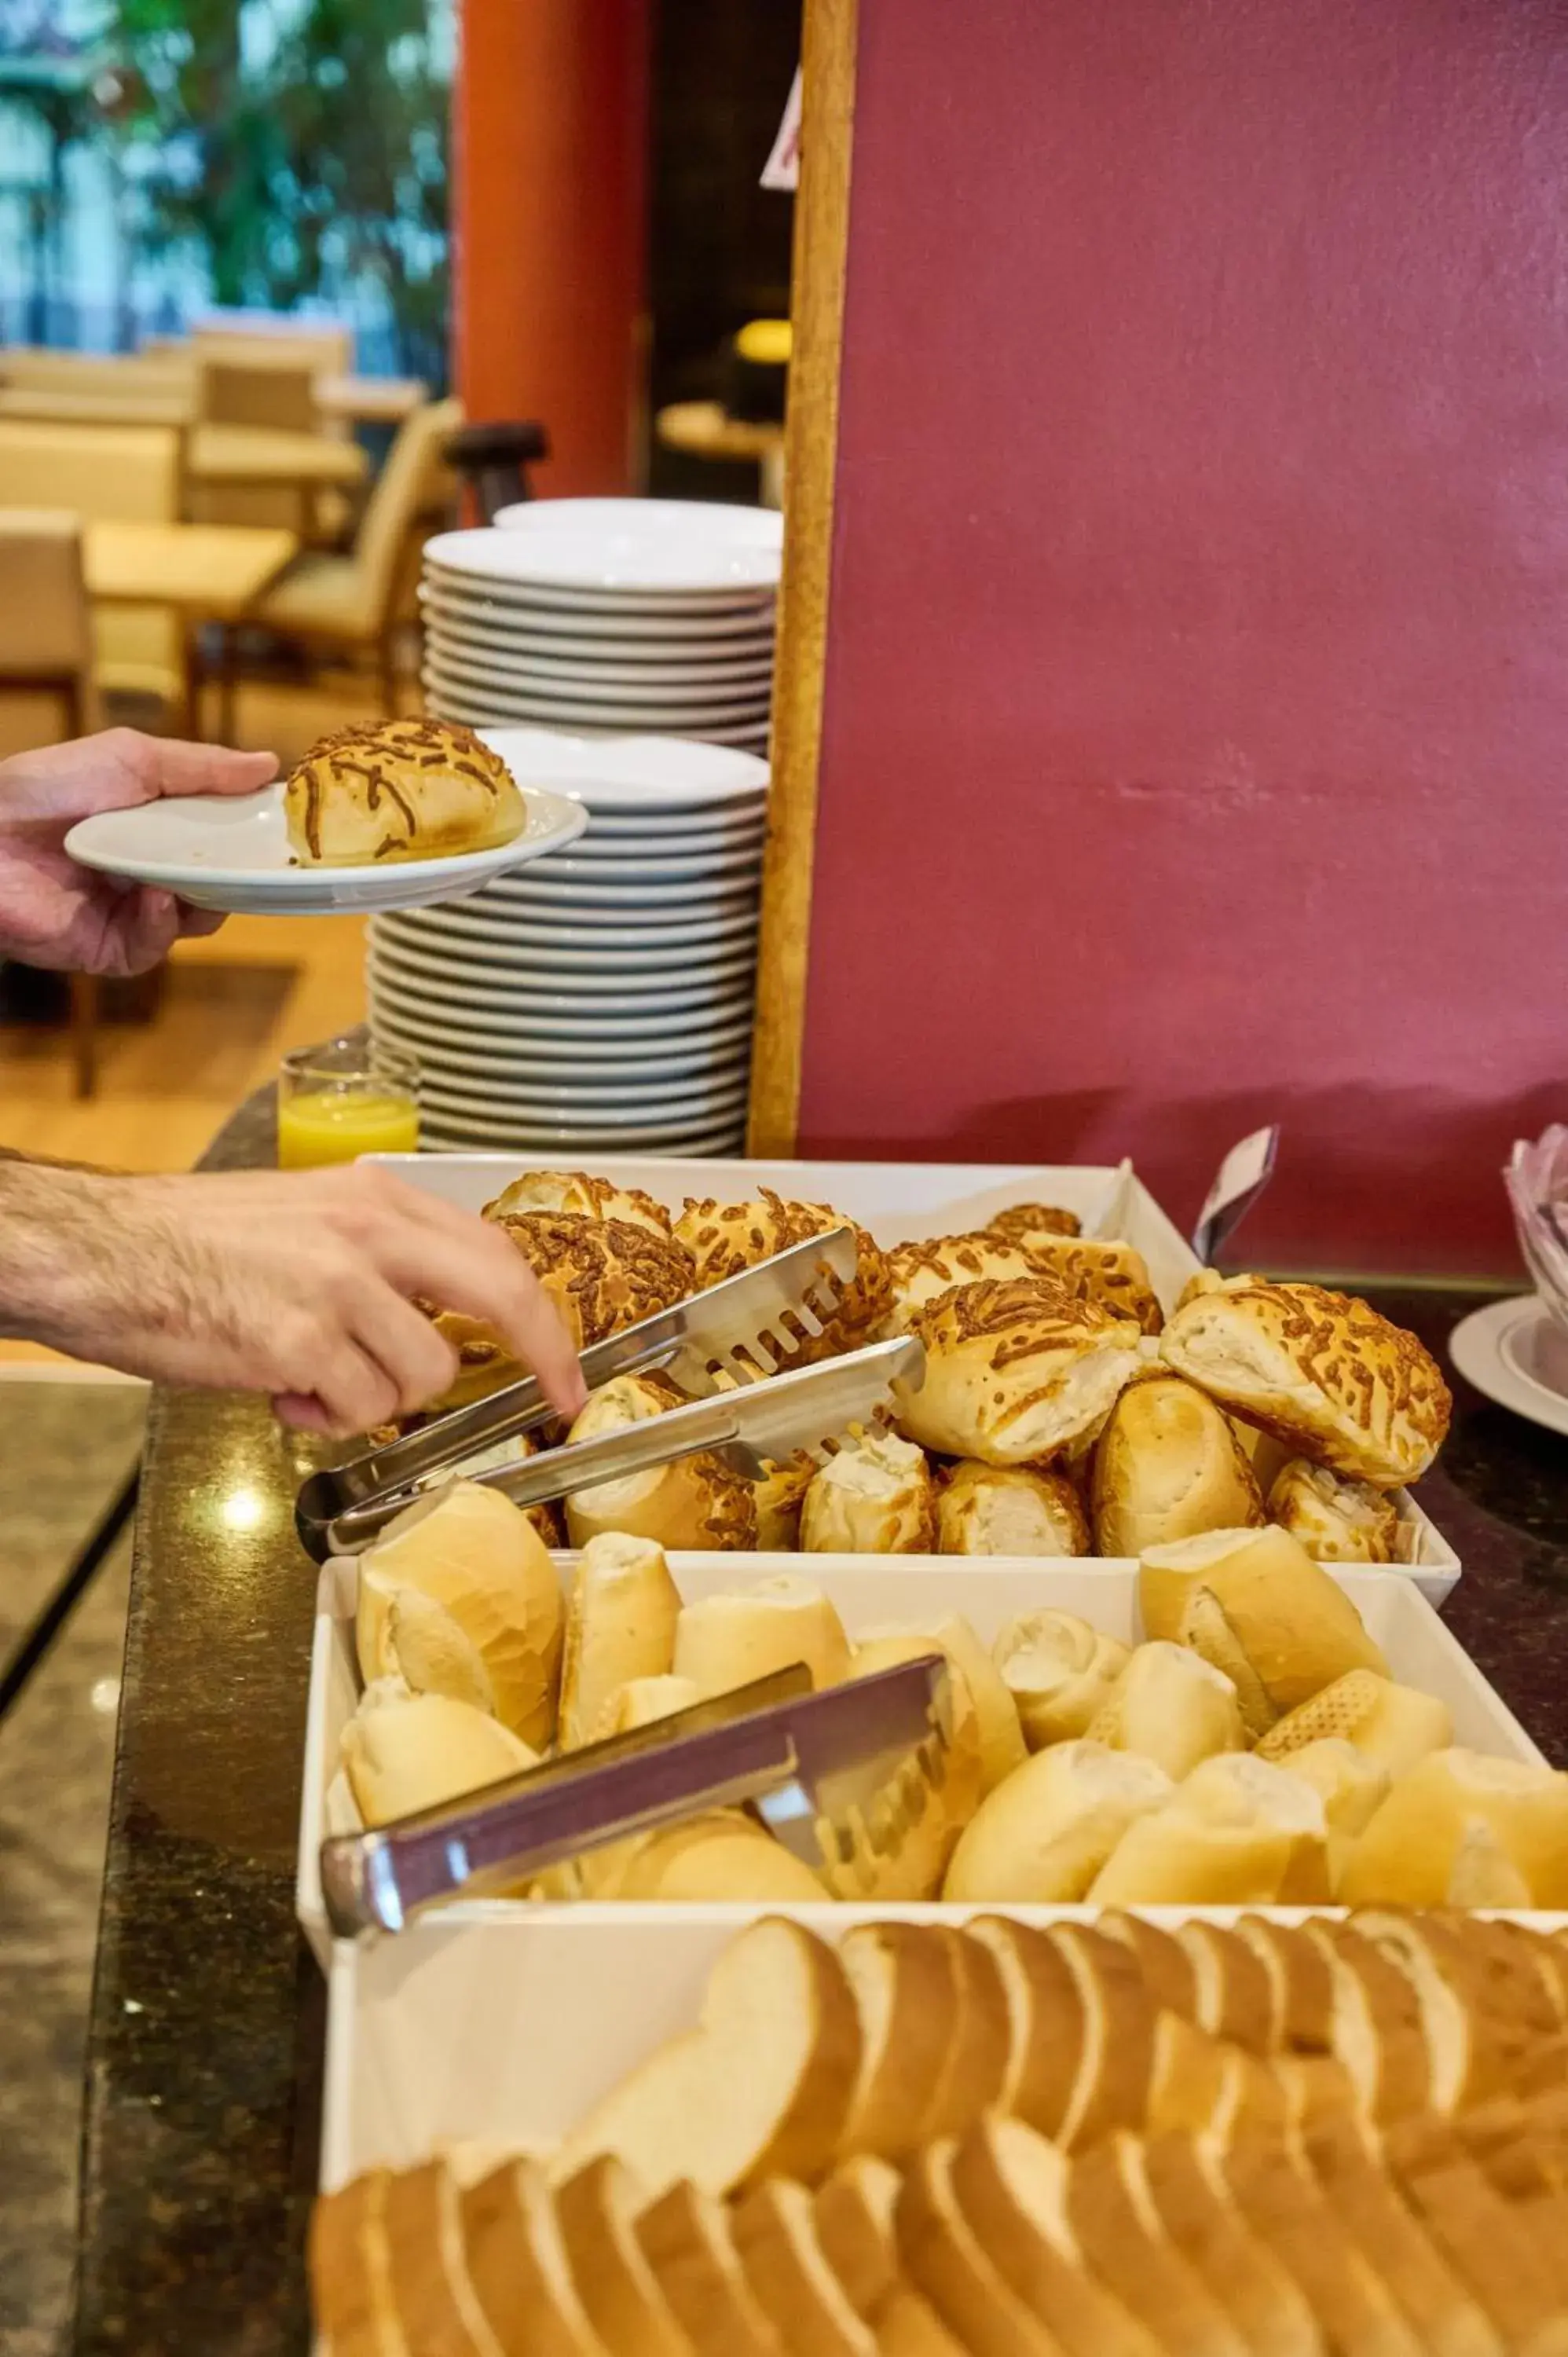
(871, 1590)
(896, 1200)
(499, 2034)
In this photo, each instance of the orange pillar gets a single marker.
(550, 226)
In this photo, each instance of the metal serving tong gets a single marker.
(815, 1410)
(842, 1777)
(752, 1326)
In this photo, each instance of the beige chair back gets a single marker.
(127, 474)
(31, 367)
(326, 350)
(260, 392)
(45, 639)
(415, 486)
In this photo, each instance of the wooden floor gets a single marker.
(232, 1006)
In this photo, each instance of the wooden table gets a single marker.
(209, 572)
(704, 429)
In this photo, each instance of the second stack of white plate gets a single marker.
(601, 1000)
(606, 615)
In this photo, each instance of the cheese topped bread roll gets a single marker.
(393, 789)
(1014, 1373)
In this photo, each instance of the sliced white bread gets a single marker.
(1473, 2046)
(909, 2326)
(760, 2088)
(855, 2210)
(1111, 2088)
(1012, 2187)
(1169, 1974)
(975, 2069)
(905, 1980)
(519, 2267)
(949, 2263)
(1047, 2015)
(1281, 2201)
(1190, 2078)
(598, 2211)
(1376, 2028)
(432, 2290)
(1235, 1989)
(686, 2240)
(1262, 2297)
(350, 2286)
(1302, 1983)
(1481, 2235)
(1435, 2300)
(791, 2277)
(1119, 2231)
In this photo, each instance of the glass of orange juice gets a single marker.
(350, 1097)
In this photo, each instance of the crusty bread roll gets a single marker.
(1337, 1521)
(721, 1855)
(725, 1238)
(723, 1641)
(1318, 1370)
(1025, 1223)
(922, 1271)
(1171, 1705)
(1059, 1670)
(1407, 1854)
(876, 1497)
(722, 2107)
(1116, 1276)
(576, 1192)
(390, 789)
(1236, 1832)
(640, 1702)
(470, 1552)
(913, 1867)
(403, 1752)
(778, 1498)
(1352, 1787)
(1014, 1373)
(1483, 1874)
(1046, 1832)
(1267, 1456)
(1256, 1604)
(697, 1503)
(620, 1625)
(1167, 1466)
(1393, 1724)
(601, 1273)
(1009, 1510)
(1001, 1737)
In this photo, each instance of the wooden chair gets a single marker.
(45, 654)
(129, 473)
(357, 601)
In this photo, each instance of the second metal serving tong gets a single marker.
(757, 1328)
(842, 1777)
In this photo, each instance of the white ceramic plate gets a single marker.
(661, 970)
(632, 775)
(629, 1077)
(594, 991)
(453, 651)
(472, 989)
(696, 830)
(721, 935)
(638, 632)
(232, 853)
(447, 696)
(647, 549)
(613, 850)
(436, 1022)
(1515, 1353)
(642, 878)
(689, 1106)
(456, 1135)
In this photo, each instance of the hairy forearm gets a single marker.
(83, 1253)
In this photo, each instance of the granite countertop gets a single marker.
(204, 2070)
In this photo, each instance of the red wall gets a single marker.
(550, 226)
(1196, 706)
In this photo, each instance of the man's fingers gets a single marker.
(177, 767)
(418, 1362)
(353, 1390)
(194, 924)
(301, 1410)
(472, 1268)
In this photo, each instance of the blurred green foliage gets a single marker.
(300, 148)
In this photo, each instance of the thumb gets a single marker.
(179, 768)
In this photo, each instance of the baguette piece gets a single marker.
(1167, 1466)
(1011, 2186)
(1352, 1787)
(518, 2263)
(951, 2265)
(719, 1855)
(1048, 1831)
(1282, 2203)
(1059, 1670)
(723, 1641)
(697, 1503)
(1337, 1521)
(874, 1497)
(1236, 1832)
(1319, 1371)
(905, 1979)
(760, 2088)
(1010, 1510)
(403, 1752)
(1256, 1604)
(620, 1624)
(1048, 2016)
(432, 2290)
(640, 1703)
(351, 2270)
(1392, 1726)
(1435, 2300)
(1407, 1854)
(1170, 1706)
(685, 2238)
(1001, 1737)
(596, 2210)
(790, 2277)
(1120, 2233)
(1262, 2297)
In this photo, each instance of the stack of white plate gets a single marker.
(606, 615)
(601, 999)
